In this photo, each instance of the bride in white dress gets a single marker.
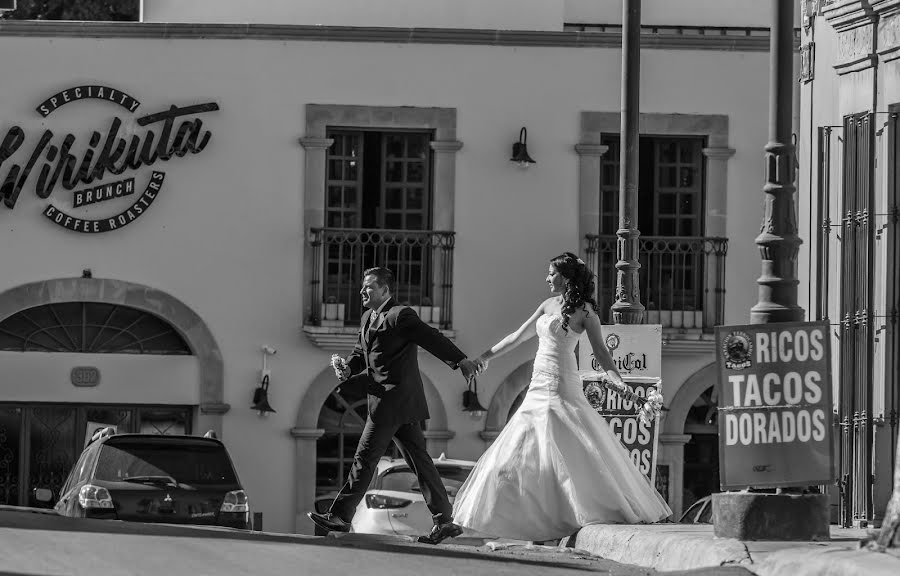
(556, 466)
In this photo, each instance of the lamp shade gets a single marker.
(470, 401)
(520, 151)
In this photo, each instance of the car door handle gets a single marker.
(399, 515)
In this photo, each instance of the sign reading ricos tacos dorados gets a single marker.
(774, 405)
(103, 167)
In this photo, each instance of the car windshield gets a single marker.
(164, 463)
(402, 479)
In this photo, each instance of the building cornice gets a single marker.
(849, 14)
(342, 338)
(573, 36)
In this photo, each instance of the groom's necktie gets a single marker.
(372, 318)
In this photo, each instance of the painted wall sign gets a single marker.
(84, 376)
(83, 169)
(774, 405)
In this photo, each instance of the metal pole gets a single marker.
(778, 240)
(627, 309)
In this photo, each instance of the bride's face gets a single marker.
(556, 281)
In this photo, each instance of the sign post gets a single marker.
(774, 405)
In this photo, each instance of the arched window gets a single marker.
(89, 327)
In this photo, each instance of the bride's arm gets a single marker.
(601, 352)
(525, 331)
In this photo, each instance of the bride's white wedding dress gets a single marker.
(556, 466)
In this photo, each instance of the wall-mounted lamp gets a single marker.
(261, 397)
(470, 401)
(261, 394)
(520, 151)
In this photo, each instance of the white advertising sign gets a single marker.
(637, 352)
(635, 348)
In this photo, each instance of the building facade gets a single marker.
(181, 192)
(848, 218)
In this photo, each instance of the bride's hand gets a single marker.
(481, 364)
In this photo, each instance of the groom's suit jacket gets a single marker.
(386, 360)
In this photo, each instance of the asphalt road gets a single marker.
(41, 545)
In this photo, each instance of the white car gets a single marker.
(394, 503)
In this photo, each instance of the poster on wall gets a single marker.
(636, 350)
(774, 405)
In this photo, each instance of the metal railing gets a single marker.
(421, 260)
(682, 279)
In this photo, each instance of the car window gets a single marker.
(705, 516)
(690, 513)
(166, 463)
(402, 479)
(79, 473)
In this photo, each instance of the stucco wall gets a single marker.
(226, 232)
(485, 14)
(489, 14)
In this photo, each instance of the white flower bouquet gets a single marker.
(596, 383)
(339, 365)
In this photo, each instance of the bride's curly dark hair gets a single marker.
(579, 285)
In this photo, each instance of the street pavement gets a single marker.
(33, 544)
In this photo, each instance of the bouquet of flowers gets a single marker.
(597, 383)
(339, 365)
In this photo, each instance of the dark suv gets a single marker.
(154, 478)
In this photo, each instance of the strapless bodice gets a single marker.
(556, 346)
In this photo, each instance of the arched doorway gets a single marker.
(322, 414)
(701, 453)
(82, 317)
(506, 400)
(342, 418)
(689, 440)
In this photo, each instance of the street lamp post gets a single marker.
(627, 308)
(748, 515)
(778, 240)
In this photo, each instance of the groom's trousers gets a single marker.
(373, 444)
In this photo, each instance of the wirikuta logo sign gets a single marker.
(108, 167)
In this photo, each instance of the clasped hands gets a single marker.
(472, 368)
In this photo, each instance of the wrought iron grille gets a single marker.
(90, 327)
(856, 318)
(421, 260)
(682, 278)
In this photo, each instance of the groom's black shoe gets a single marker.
(329, 521)
(441, 532)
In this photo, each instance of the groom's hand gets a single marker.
(468, 369)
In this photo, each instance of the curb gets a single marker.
(828, 562)
(660, 548)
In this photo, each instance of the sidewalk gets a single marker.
(687, 546)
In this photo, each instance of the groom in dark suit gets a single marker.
(386, 360)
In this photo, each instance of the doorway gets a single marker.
(39, 443)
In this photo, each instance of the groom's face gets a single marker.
(373, 294)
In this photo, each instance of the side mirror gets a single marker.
(44, 495)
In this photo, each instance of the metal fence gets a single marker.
(421, 260)
(682, 279)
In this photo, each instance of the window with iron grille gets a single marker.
(671, 188)
(89, 327)
(378, 212)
